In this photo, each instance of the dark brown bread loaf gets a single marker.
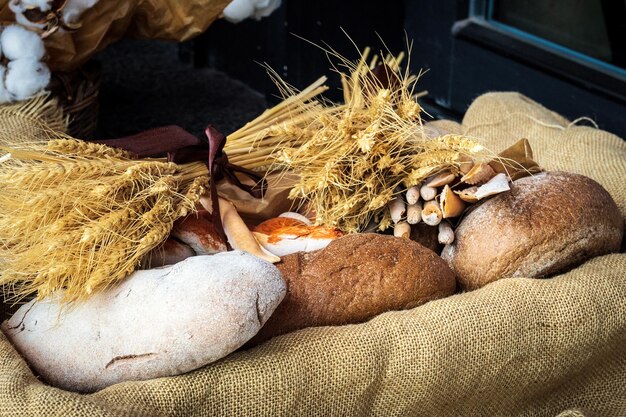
(354, 279)
(546, 224)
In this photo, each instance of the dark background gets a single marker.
(218, 77)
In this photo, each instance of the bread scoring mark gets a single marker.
(21, 324)
(125, 358)
(259, 316)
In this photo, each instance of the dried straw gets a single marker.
(78, 216)
(354, 158)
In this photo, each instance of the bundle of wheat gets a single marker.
(354, 158)
(79, 216)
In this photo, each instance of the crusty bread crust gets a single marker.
(198, 232)
(169, 252)
(284, 235)
(547, 224)
(355, 278)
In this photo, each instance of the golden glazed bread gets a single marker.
(547, 224)
(355, 278)
(283, 236)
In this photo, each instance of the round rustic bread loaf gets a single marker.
(355, 278)
(546, 224)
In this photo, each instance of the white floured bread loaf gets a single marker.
(285, 235)
(547, 224)
(155, 323)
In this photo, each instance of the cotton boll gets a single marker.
(260, 4)
(18, 7)
(22, 20)
(26, 77)
(75, 8)
(43, 5)
(18, 43)
(239, 10)
(5, 96)
(265, 8)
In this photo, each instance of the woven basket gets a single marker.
(78, 94)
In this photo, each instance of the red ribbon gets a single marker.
(182, 147)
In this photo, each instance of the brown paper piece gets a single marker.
(253, 210)
(518, 162)
(111, 20)
(520, 155)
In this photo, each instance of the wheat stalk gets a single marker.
(78, 216)
(352, 159)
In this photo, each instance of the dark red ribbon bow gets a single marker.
(183, 147)
(220, 167)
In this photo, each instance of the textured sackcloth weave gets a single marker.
(24, 120)
(517, 347)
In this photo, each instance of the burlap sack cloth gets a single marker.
(518, 347)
